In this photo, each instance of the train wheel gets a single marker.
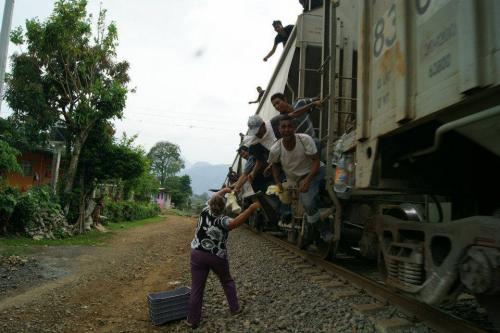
(491, 303)
(329, 249)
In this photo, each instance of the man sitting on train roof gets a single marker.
(299, 112)
(299, 159)
(259, 97)
(281, 37)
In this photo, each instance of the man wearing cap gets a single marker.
(282, 34)
(259, 139)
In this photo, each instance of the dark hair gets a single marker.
(278, 95)
(217, 204)
(285, 117)
(277, 22)
(245, 148)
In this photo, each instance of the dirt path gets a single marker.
(106, 288)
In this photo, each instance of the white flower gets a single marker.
(222, 253)
(215, 233)
(195, 243)
(207, 244)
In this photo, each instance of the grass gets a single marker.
(178, 212)
(22, 245)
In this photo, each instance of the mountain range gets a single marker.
(205, 176)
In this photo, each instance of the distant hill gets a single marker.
(205, 176)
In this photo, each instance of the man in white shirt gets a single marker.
(299, 158)
(260, 131)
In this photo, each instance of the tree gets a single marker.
(103, 160)
(8, 160)
(143, 187)
(68, 76)
(180, 189)
(165, 160)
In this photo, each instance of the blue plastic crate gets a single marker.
(168, 305)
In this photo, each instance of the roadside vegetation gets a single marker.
(15, 245)
(77, 89)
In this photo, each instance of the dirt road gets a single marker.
(104, 288)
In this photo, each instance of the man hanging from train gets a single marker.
(299, 158)
(259, 140)
(259, 180)
(300, 112)
(282, 34)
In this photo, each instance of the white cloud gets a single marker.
(195, 64)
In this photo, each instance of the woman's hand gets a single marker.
(254, 206)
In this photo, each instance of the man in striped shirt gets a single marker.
(300, 113)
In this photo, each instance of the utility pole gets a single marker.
(4, 42)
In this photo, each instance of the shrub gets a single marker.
(129, 210)
(38, 215)
(8, 200)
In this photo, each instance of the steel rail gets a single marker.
(430, 316)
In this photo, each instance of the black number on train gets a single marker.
(380, 40)
(422, 6)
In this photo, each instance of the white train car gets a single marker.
(413, 92)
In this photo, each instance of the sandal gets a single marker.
(237, 312)
(188, 324)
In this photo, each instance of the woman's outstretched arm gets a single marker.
(243, 216)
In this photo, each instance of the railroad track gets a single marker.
(345, 283)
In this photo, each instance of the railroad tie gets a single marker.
(301, 266)
(332, 283)
(322, 278)
(311, 271)
(291, 257)
(391, 325)
(337, 294)
(366, 309)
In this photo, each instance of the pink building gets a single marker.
(163, 199)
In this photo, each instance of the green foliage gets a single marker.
(180, 189)
(68, 76)
(165, 160)
(103, 160)
(22, 245)
(129, 211)
(178, 212)
(198, 202)
(30, 206)
(143, 187)
(8, 200)
(8, 161)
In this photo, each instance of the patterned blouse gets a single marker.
(211, 233)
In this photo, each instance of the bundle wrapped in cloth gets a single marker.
(231, 204)
(282, 195)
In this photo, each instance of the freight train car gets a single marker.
(410, 133)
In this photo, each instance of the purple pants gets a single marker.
(201, 264)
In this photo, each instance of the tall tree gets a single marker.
(68, 75)
(166, 160)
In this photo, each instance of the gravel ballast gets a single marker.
(277, 297)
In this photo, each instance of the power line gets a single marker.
(185, 125)
(209, 120)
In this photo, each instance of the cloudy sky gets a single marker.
(195, 64)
